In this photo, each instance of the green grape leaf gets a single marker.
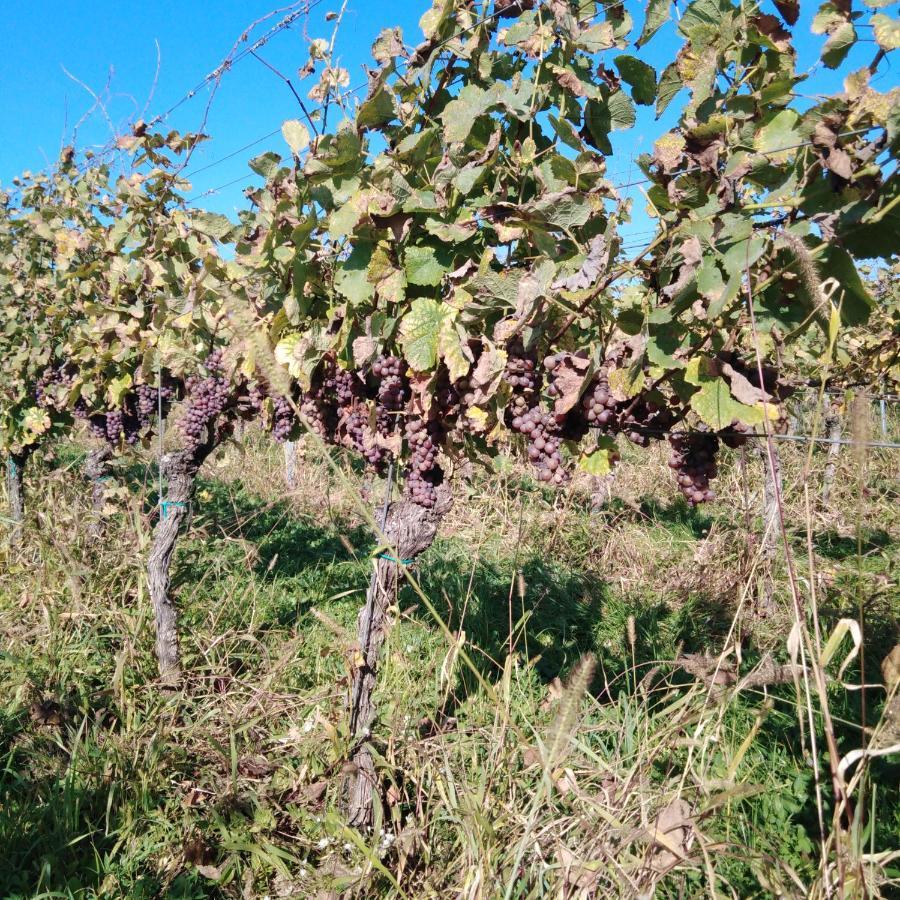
(657, 16)
(670, 84)
(266, 164)
(718, 409)
(780, 133)
(838, 45)
(598, 462)
(420, 332)
(351, 278)
(640, 76)
(426, 266)
(377, 110)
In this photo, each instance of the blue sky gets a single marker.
(116, 43)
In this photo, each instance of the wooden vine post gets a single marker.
(833, 431)
(179, 471)
(96, 471)
(410, 530)
(15, 485)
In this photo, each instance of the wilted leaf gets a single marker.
(296, 135)
(886, 31)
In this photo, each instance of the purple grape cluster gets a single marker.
(521, 371)
(343, 386)
(542, 432)
(54, 381)
(393, 391)
(735, 436)
(361, 438)
(694, 459)
(207, 399)
(423, 474)
(283, 419)
(599, 406)
(316, 413)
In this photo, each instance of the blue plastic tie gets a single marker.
(165, 504)
(11, 466)
(389, 558)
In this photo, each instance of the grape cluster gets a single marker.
(283, 419)
(647, 421)
(521, 371)
(207, 399)
(599, 406)
(735, 436)
(393, 391)
(316, 412)
(423, 473)
(694, 459)
(361, 438)
(542, 432)
(54, 380)
(343, 386)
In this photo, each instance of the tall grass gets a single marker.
(590, 716)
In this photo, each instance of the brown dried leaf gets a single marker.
(789, 9)
(254, 766)
(570, 81)
(583, 875)
(594, 264)
(570, 377)
(674, 833)
(364, 349)
(692, 253)
(769, 26)
(890, 668)
(742, 389)
(839, 162)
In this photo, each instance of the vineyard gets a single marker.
(423, 528)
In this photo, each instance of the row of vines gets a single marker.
(443, 275)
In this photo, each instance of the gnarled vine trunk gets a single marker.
(15, 488)
(410, 530)
(179, 470)
(96, 470)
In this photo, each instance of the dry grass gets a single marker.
(584, 763)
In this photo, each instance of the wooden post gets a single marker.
(410, 530)
(833, 430)
(179, 469)
(15, 486)
(96, 471)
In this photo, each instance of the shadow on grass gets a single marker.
(834, 546)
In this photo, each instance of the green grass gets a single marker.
(552, 781)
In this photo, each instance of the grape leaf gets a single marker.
(426, 266)
(657, 16)
(640, 76)
(886, 31)
(420, 331)
(296, 135)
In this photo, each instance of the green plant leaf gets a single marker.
(426, 266)
(420, 333)
(640, 76)
(657, 16)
